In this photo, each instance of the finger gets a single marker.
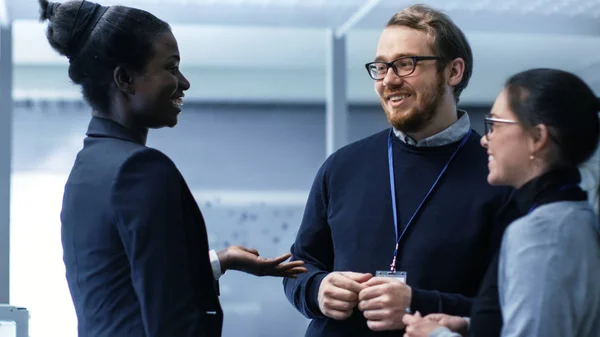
(408, 319)
(357, 277)
(372, 304)
(444, 322)
(249, 250)
(375, 315)
(378, 325)
(283, 270)
(294, 271)
(418, 314)
(341, 281)
(339, 305)
(277, 260)
(371, 292)
(341, 294)
(378, 281)
(434, 317)
(290, 265)
(289, 273)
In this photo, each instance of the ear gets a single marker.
(540, 139)
(124, 80)
(455, 70)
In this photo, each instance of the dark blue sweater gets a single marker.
(348, 226)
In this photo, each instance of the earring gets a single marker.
(532, 157)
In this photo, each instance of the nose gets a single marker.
(184, 84)
(484, 141)
(391, 79)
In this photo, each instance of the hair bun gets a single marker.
(47, 9)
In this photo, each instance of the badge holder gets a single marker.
(399, 275)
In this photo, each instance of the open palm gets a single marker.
(249, 261)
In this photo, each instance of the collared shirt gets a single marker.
(451, 134)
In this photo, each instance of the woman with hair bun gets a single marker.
(134, 240)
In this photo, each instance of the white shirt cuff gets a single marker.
(215, 264)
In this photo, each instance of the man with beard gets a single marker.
(415, 195)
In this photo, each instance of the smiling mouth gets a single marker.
(177, 102)
(398, 98)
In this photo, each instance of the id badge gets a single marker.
(399, 275)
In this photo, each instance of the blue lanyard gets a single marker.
(393, 190)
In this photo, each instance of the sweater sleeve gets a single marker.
(314, 246)
(432, 301)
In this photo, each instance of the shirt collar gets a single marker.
(451, 134)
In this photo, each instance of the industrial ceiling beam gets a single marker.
(356, 17)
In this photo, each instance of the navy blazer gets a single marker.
(135, 243)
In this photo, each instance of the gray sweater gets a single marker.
(549, 273)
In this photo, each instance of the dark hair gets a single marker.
(449, 42)
(562, 102)
(97, 39)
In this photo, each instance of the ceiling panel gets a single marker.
(332, 13)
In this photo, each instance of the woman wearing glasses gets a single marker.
(543, 125)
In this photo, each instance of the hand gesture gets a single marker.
(249, 261)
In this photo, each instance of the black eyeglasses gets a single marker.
(489, 123)
(403, 66)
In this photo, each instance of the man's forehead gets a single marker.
(398, 41)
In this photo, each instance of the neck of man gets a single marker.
(445, 115)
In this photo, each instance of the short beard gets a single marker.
(421, 115)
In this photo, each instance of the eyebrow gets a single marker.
(396, 56)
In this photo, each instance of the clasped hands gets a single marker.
(382, 300)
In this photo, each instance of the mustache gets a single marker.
(389, 93)
(397, 89)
